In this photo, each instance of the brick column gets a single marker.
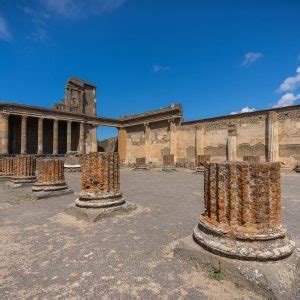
(242, 216)
(55, 136)
(147, 142)
(69, 136)
(24, 169)
(272, 142)
(5, 118)
(40, 136)
(81, 138)
(24, 135)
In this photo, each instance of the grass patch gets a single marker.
(216, 276)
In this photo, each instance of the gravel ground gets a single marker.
(47, 254)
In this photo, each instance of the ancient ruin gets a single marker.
(51, 179)
(6, 168)
(242, 216)
(201, 161)
(168, 163)
(100, 193)
(251, 158)
(73, 162)
(140, 163)
(24, 167)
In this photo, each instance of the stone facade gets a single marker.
(272, 135)
(242, 216)
(24, 167)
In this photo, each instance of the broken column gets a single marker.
(201, 161)
(24, 169)
(252, 158)
(51, 179)
(168, 163)
(140, 163)
(6, 167)
(100, 194)
(242, 216)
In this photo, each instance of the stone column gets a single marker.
(55, 136)
(147, 142)
(172, 138)
(94, 145)
(69, 136)
(199, 140)
(24, 135)
(40, 136)
(7, 168)
(81, 138)
(242, 216)
(231, 144)
(5, 123)
(122, 144)
(24, 169)
(272, 130)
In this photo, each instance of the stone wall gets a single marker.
(273, 135)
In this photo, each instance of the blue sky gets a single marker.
(214, 57)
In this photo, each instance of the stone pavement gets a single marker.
(45, 253)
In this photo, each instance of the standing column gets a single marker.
(147, 142)
(94, 146)
(40, 136)
(81, 138)
(273, 151)
(55, 136)
(199, 140)
(24, 135)
(122, 143)
(5, 118)
(69, 136)
(231, 144)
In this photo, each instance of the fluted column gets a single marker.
(273, 151)
(69, 136)
(24, 135)
(5, 118)
(55, 137)
(40, 136)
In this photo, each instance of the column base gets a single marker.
(92, 214)
(255, 250)
(272, 280)
(5, 177)
(72, 168)
(23, 180)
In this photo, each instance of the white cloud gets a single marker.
(244, 110)
(4, 31)
(160, 68)
(287, 100)
(291, 83)
(250, 58)
(76, 9)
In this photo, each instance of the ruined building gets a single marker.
(272, 135)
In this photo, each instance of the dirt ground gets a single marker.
(45, 253)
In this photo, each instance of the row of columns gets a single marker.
(5, 130)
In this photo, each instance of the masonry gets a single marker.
(272, 135)
(71, 125)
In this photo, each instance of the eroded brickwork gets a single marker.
(242, 216)
(24, 167)
(6, 166)
(50, 171)
(100, 175)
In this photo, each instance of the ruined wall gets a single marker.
(159, 141)
(135, 143)
(289, 137)
(272, 135)
(185, 144)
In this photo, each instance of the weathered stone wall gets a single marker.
(272, 135)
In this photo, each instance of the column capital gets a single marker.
(24, 117)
